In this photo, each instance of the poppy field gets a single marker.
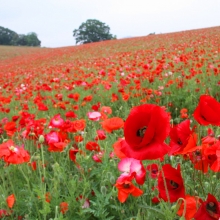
(123, 129)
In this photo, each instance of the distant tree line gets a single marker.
(9, 37)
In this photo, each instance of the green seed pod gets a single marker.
(41, 139)
(112, 180)
(173, 207)
(108, 174)
(36, 157)
(103, 190)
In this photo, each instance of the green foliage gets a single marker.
(92, 31)
(32, 39)
(9, 37)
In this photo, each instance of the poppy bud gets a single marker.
(41, 139)
(173, 207)
(112, 179)
(103, 190)
(108, 174)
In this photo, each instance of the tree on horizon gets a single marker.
(92, 31)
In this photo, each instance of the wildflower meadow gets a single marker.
(122, 129)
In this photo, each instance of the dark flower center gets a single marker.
(126, 186)
(179, 141)
(174, 184)
(211, 206)
(154, 171)
(141, 132)
(198, 156)
(197, 153)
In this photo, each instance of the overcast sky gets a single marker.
(55, 20)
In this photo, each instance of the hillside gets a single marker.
(120, 129)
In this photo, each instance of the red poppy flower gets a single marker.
(153, 170)
(117, 148)
(88, 98)
(125, 188)
(145, 130)
(48, 197)
(96, 107)
(106, 110)
(210, 138)
(15, 117)
(70, 114)
(92, 146)
(72, 154)
(125, 96)
(191, 145)
(74, 96)
(114, 97)
(209, 209)
(64, 207)
(13, 154)
(10, 201)
(191, 207)
(10, 128)
(183, 113)
(78, 138)
(155, 200)
(212, 154)
(3, 213)
(174, 183)
(207, 111)
(112, 124)
(33, 165)
(100, 135)
(199, 159)
(179, 136)
(42, 107)
(79, 125)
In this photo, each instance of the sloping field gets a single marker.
(120, 129)
(9, 52)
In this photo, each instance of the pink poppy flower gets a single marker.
(132, 166)
(56, 121)
(52, 137)
(94, 116)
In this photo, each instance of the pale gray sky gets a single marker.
(55, 20)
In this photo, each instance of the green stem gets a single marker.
(165, 185)
(43, 185)
(9, 178)
(42, 155)
(29, 187)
